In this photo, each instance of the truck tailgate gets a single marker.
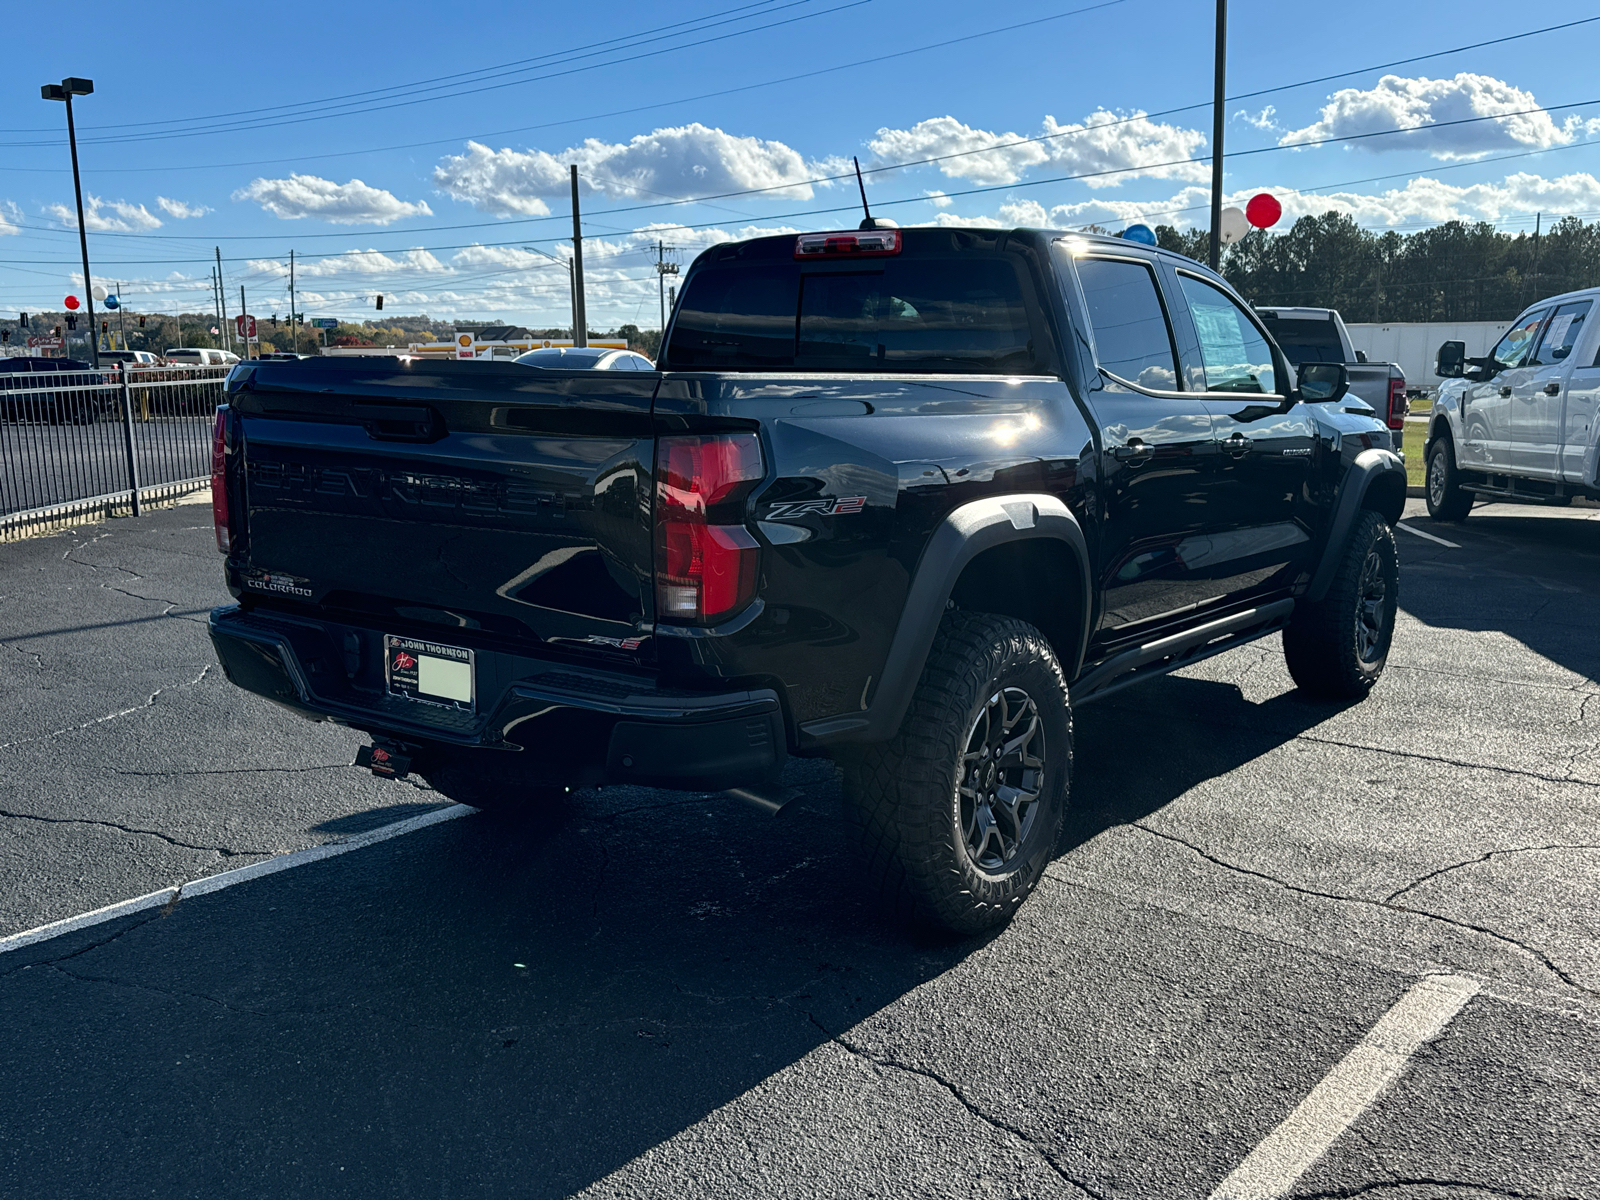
(490, 496)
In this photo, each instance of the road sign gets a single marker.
(325, 322)
(246, 325)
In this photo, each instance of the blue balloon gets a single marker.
(1142, 234)
(112, 302)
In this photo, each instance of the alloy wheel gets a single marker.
(1002, 778)
(1372, 608)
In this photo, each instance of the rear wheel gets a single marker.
(1447, 499)
(1337, 647)
(960, 813)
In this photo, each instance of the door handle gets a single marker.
(1505, 390)
(1552, 388)
(1237, 445)
(1133, 450)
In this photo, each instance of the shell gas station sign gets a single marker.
(466, 345)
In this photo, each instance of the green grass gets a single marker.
(1416, 469)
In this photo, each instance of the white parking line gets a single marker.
(227, 879)
(1429, 536)
(1286, 1153)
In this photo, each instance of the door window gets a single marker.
(1562, 334)
(1518, 341)
(1131, 336)
(1235, 355)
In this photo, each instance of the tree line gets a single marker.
(1457, 271)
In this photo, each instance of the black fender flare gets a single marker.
(1365, 473)
(963, 534)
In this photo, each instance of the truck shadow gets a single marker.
(503, 1008)
(1533, 578)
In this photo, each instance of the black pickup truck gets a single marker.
(899, 498)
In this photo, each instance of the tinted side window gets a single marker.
(1306, 341)
(1514, 347)
(960, 313)
(1563, 332)
(1131, 336)
(1235, 355)
(733, 318)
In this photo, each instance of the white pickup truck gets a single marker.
(1519, 424)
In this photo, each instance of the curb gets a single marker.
(1416, 493)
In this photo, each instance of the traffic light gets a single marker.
(58, 331)
(141, 322)
(72, 321)
(274, 320)
(105, 326)
(5, 335)
(24, 321)
(380, 304)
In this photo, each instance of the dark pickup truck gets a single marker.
(899, 498)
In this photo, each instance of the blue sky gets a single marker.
(418, 152)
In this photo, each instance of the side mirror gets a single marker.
(1323, 382)
(1451, 360)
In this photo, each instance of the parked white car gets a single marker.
(187, 356)
(1519, 423)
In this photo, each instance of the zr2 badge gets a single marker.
(827, 506)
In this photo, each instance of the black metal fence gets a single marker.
(77, 444)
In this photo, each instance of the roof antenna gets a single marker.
(869, 221)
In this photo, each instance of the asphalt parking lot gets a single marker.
(656, 993)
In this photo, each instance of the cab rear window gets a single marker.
(963, 312)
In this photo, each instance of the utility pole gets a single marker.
(1537, 217)
(1219, 118)
(122, 315)
(242, 311)
(222, 300)
(66, 90)
(580, 319)
(663, 269)
(294, 330)
(572, 279)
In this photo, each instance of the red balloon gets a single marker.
(71, 302)
(1263, 211)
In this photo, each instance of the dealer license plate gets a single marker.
(429, 672)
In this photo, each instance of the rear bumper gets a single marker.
(573, 725)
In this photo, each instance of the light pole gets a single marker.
(572, 280)
(66, 90)
(1218, 120)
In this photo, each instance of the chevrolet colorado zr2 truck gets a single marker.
(898, 498)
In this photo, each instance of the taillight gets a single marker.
(705, 558)
(1397, 404)
(219, 481)
(868, 243)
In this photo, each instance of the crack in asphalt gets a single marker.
(105, 941)
(955, 1092)
(1533, 952)
(240, 771)
(224, 851)
(38, 659)
(1389, 1185)
(1483, 858)
(148, 702)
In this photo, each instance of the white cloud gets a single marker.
(9, 215)
(689, 160)
(1265, 119)
(938, 199)
(106, 216)
(1133, 145)
(1421, 104)
(353, 203)
(181, 210)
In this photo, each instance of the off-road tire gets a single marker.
(1447, 499)
(906, 798)
(1337, 647)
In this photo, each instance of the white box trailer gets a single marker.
(1412, 345)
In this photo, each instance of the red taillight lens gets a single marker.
(219, 481)
(705, 559)
(1397, 404)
